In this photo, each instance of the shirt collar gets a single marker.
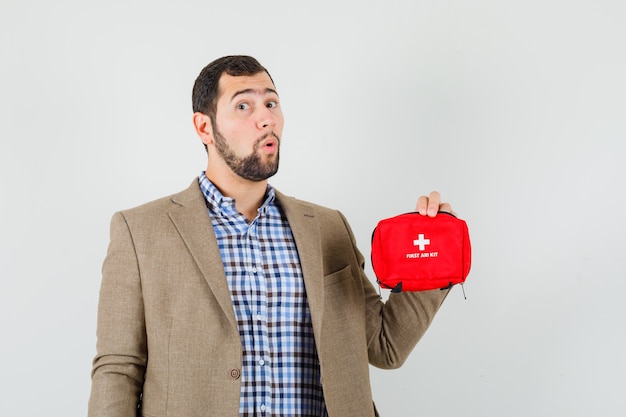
(220, 204)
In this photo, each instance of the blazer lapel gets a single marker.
(306, 233)
(191, 218)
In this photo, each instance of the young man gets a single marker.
(232, 299)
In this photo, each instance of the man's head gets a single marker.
(238, 118)
(206, 88)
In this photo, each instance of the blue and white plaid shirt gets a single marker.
(280, 373)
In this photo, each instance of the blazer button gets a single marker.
(235, 373)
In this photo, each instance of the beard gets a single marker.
(251, 167)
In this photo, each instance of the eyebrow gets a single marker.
(253, 91)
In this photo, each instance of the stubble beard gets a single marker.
(251, 167)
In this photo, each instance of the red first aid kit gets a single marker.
(412, 252)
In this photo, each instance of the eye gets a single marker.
(272, 104)
(243, 106)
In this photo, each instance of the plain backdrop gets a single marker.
(514, 110)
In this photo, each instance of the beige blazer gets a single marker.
(166, 326)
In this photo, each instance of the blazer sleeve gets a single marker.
(120, 363)
(394, 327)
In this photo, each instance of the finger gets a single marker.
(446, 207)
(434, 200)
(422, 205)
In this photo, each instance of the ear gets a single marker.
(204, 129)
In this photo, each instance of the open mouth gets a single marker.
(270, 143)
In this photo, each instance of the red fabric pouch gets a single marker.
(411, 252)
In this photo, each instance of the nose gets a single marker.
(266, 118)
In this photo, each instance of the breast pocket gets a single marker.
(338, 277)
(342, 290)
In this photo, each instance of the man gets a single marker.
(232, 299)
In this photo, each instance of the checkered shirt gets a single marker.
(280, 374)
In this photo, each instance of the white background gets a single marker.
(514, 110)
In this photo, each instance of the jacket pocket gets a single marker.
(338, 277)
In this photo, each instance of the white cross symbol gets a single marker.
(421, 242)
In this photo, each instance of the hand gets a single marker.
(432, 204)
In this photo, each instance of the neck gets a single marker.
(248, 195)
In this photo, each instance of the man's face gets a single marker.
(248, 125)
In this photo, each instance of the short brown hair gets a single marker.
(205, 89)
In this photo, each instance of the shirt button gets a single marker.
(259, 317)
(235, 373)
(262, 407)
(261, 362)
